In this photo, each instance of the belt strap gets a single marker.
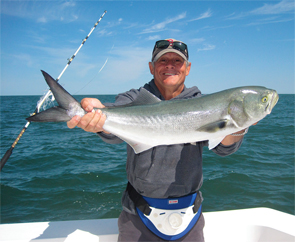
(144, 207)
(197, 203)
(138, 200)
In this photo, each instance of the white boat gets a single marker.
(245, 225)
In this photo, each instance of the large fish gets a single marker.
(148, 122)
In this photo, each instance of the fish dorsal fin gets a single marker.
(145, 97)
(63, 98)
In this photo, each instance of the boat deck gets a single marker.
(246, 225)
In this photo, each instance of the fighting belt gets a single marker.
(168, 218)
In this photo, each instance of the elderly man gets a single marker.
(162, 200)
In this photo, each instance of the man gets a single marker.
(164, 173)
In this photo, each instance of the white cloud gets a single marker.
(269, 21)
(42, 20)
(206, 14)
(197, 40)
(75, 17)
(154, 37)
(40, 11)
(162, 25)
(126, 64)
(283, 7)
(68, 4)
(51, 55)
(104, 32)
(207, 47)
(279, 8)
(114, 23)
(24, 58)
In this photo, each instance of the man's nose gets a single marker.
(170, 64)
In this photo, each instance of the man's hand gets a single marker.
(93, 121)
(230, 139)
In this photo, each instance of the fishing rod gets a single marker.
(40, 103)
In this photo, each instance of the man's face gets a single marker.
(170, 71)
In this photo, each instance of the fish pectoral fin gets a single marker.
(136, 145)
(214, 142)
(139, 147)
(214, 127)
(54, 114)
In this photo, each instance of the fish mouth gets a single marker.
(273, 102)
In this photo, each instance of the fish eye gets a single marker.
(264, 99)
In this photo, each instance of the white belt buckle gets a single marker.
(171, 222)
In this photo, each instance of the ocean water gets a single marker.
(59, 174)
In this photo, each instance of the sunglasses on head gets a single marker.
(177, 45)
(164, 44)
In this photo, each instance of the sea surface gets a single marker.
(58, 174)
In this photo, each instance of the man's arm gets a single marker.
(230, 144)
(94, 121)
(234, 138)
(230, 139)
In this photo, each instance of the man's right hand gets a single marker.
(93, 121)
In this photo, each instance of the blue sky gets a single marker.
(230, 43)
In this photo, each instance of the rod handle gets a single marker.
(9, 151)
(6, 157)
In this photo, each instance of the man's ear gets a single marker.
(152, 69)
(188, 68)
